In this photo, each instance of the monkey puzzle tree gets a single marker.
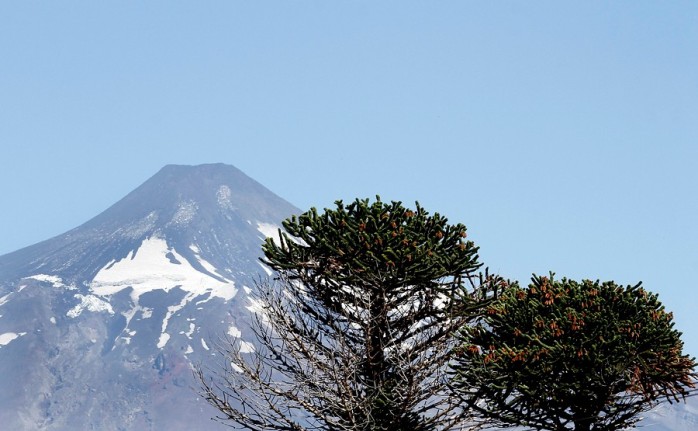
(357, 330)
(563, 355)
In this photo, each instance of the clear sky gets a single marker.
(563, 134)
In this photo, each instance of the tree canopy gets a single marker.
(357, 331)
(566, 355)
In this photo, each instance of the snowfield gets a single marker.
(154, 266)
(8, 337)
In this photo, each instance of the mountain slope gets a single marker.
(216, 206)
(100, 326)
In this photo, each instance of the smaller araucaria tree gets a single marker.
(564, 355)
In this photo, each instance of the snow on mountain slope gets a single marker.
(8, 337)
(89, 303)
(100, 326)
(269, 230)
(155, 265)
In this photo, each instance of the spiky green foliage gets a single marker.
(566, 355)
(359, 328)
(377, 245)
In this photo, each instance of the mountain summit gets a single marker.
(214, 207)
(100, 326)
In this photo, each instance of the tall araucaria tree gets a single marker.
(357, 330)
(563, 355)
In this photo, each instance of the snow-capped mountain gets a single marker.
(100, 326)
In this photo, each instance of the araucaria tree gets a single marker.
(357, 330)
(564, 355)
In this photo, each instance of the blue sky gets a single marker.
(563, 134)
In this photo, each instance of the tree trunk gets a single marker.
(583, 423)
